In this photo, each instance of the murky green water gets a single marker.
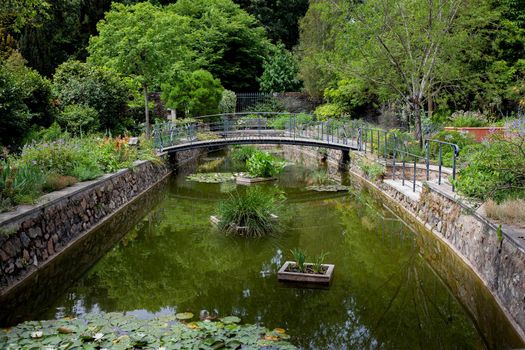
(384, 295)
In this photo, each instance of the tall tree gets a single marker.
(280, 18)
(142, 41)
(231, 42)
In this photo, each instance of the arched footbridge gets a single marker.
(306, 130)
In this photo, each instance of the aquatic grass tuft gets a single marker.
(299, 256)
(250, 214)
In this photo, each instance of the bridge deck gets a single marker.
(333, 143)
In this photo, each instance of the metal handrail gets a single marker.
(368, 140)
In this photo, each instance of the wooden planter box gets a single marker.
(310, 278)
(245, 180)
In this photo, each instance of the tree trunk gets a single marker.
(417, 118)
(430, 103)
(146, 110)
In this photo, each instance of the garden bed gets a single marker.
(241, 230)
(288, 273)
(246, 179)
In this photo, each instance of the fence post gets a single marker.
(394, 158)
(440, 162)
(427, 158)
(414, 176)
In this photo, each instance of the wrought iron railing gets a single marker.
(390, 150)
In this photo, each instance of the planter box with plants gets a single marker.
(302, 272)
(261, 166)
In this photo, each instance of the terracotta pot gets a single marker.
(479, 133)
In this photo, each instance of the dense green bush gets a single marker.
(270, 104)
(280, 72)
(462, 119)
(252, 211)
(283, 121)
(494, 170)
(328, 111)
(193, 94)
(461, 139)
(263, 164)
(83, 89)
(79, 119)
(243, 153)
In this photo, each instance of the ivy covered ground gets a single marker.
(119, 331)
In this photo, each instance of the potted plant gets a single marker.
(473, 123)
(299, 270)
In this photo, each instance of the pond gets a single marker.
(384, 294)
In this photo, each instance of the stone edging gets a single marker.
(32, 235)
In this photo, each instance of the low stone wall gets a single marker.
(495, 256)
(32, 235)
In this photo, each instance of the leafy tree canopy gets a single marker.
(84, 88)
(280, 72)
(196, 93)
(231, 41)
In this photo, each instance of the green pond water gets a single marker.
(384, 295)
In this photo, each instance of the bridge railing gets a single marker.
(391, 151)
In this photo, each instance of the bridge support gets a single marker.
(344, 162)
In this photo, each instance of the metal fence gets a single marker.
(390, 150)
(247, 100)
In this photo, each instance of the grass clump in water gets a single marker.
(250, 214)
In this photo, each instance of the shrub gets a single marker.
(19, 183)
(228, 102)
(243, 153)
(79, 119)
(271, 104)
(55, 182)
(252, 210)
(280, 72)
(328, 111)
(461, 139)
(373, 170)
(495, 170)
(263, 164)
(282, 121)
(461, 119)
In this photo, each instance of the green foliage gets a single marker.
(252, 212)
(92, 98)
(271, 104)
(279, 18)
(328, 111)
(46, 166)
(25, 97)
(282, 121)
(228, 102)
(119, 331)
(280, 72)
(468, 119)
(19, 183)
(317, 265)
(494, 170)
(194, 94)
(373, 170)
(463, 140)
(320, 177)
(230, 42)
(79, 119)
(299, 257)
(17, 14)
(263, 164)
(243, 153)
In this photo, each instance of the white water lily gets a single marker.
(162, 348)
(37, 334)
(98, 336)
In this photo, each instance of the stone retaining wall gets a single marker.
(31, 235)
(495, 255)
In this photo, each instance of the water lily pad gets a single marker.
(213, 178)
(184, 316)
(231, 319)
